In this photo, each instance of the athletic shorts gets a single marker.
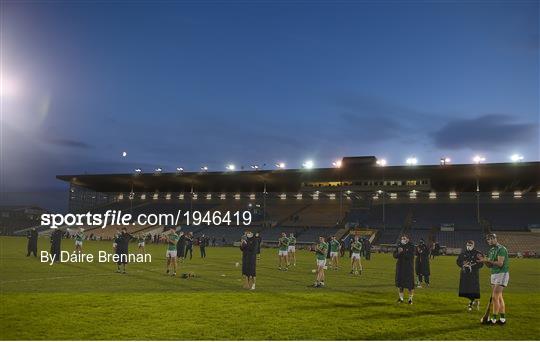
(292, 249)
(141, 244)
(500, 279)
(78, 243)
(355, 256)
(171, 254)
(333, 254)
(114, 244)
(321, 263)
(282, 253)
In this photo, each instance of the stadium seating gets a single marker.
(520, 241)
(387, 236)
(326, 214)
(282, 211)
(462, 215)
(511, 216)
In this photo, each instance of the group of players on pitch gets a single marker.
(469, 261)
(323, 251)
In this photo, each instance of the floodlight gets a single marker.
(516, 158)
(381, 162)
(478, 159)
(411, 161)
(308, 164)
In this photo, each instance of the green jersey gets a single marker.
(322, 250)
(494, 253)
(334, 246)
(79, 237)
(173, 239)
(292, 241)
(283, 244)
(356, 246)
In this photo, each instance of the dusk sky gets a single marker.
(211, 83)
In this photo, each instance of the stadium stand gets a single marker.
(387, 236)
(520, 242)
(326, 214)
(439, 203)
(16, 220)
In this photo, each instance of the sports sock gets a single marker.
(503, 315)
(401, 296)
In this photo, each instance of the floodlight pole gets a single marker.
(341, 201)
(191, 199)
(477, 198)
(383, 201)
(264, 203)
(131, 196)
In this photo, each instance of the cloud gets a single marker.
(67, 142)
(372, 127)
(374, 119)
(488, 132)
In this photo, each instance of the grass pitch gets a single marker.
(90, 301)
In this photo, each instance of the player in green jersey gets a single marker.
(283, 246)
(356, 249)
(79, 238)
(291, 251)
(321, 250)
(172, 239)
(334, 253)
(141, 242)
(497, 260)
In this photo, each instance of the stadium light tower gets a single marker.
(516, 158)
(280, 165)
(138, 170)
(308, 164)
(231, 167)
(204, 168)
(382, 163)
(158, 170)
(179, 169)
(255, 167)
(445, 160)
(337, 163)
(411, 161)
(479, 159)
